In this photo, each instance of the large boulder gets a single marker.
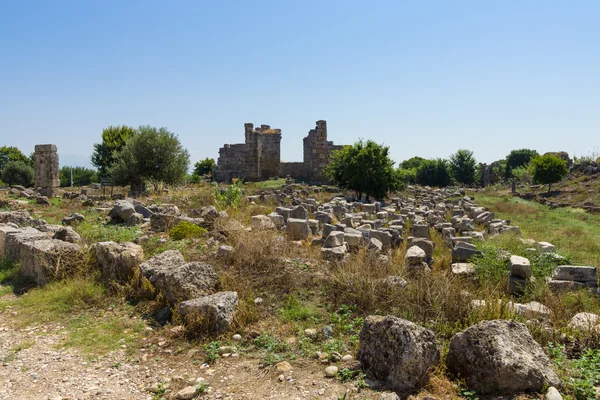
(462, 252)
(117, 261)
(520, 267)
(500, 356)
(122, 210)
(47, 259)
(298, 229)
(261, 222)
(397, 352)
(178, 280)
(67, 234)
(214, 313)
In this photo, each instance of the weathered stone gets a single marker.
(426, 245)
(414, 256)
(575, 273)
(135, 219)
(299, 212)
(375, 245)
(142, 209)
(216, 312)
(463, 269)
(516, 285)
(462, 252)
(533, 310)
(117, 261)
(334, 239)
(75, 217)
(397, 352)
(122, 210)
(44, 260)
(261, 222)
(333, 253)
(500, 357)
(384, 237)
(278, 220)
(584, 321)
(67, 234)
(298, 229)
(520, 267)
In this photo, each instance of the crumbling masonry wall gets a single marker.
(259, 158)
(46, 169)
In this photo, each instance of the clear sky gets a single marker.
(424, 77)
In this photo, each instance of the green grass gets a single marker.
(77, 305)
(96, 232)
(295, 310)
(574, 232)
(270, 184)
(8, 273)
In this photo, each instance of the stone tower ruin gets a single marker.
(259, 157)
(46, 170)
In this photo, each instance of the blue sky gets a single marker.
(425, 78)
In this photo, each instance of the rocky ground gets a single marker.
(35, 365)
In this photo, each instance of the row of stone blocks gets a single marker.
(40, 257)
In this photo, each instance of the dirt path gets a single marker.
(34, 365)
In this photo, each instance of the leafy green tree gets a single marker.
(434, 173)
(204, 167)
(548, 169)
(364, 167)
(407, 176)
(412, 163)
(17, 173)
(81, 176)
(518, 158)
(11, 153)
(113, 140)
(463, 167)
(152, 155)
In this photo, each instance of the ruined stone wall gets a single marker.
(231, 163)
(259, 158)
(46, 169)
(296, 170)
(317, 151)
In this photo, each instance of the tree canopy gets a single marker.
(81, 176)
(17, 173)
(364, 167)
(152, 155)
(463, 167)
(518, 158)
(11, 153)
(548, 169)
(204, 167)
(434, 173)
(113, 140)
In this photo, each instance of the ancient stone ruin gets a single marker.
(259, 157)
(46, 169)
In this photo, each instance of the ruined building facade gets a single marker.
(259, 157)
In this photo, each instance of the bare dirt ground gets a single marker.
(35, 365)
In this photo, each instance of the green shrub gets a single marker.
(231, 197)
(17, 173)
(186, 230)
(81, 176)
(548, 169)
(434, 173)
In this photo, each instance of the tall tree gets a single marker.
(463, 167)
(518, 158)
(11, 153)
(434, 173)
(151, 155)
(204, 167)
(365, 168)
(113, 140)
(17, 173)
(548, 169)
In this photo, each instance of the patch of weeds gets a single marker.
(294, 310)
(92, 233)
(155, 246)
(99, 335)
(270, 184)
(8, 273)
(230, 197)
(468, 394)
(186, 230)
(272, 346)
(202, 387)
(160, 393)
(579, 376)
(12, 353)
(211, 352)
